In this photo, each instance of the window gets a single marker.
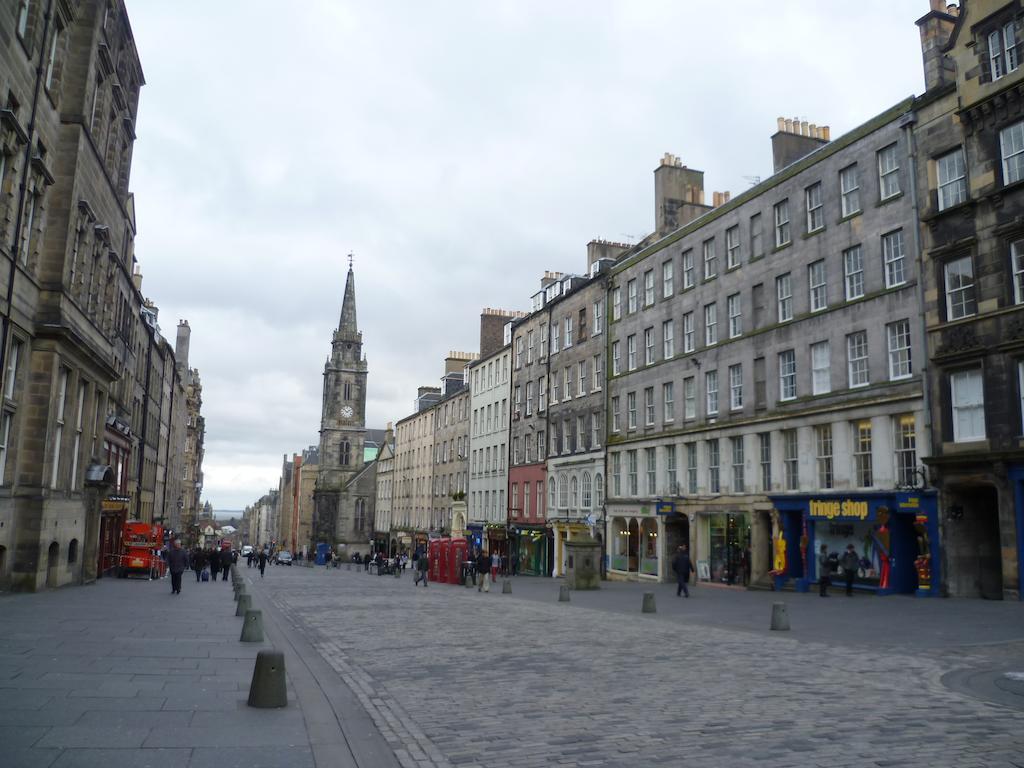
(756, 243)
(711, 392)
(648, 287)
(670, 470)
(791, 459)
(543, 341)
(1002, 51)
(689, 343)
(51, 59)
(631, 410)
(567, 383)
(787, 375)
(857, 358)
(615, 414)
(555, 345)
(598, 317)
(960, 301)
(631, 352)
(542, 394)
(617, 474)
(668, 404)
(616, 363)
(817, 285)
(651, 466)
(691, 467)
(585, 494)
(967, 396)
(631, 296)
(784, 293)
(714, 481)
(689, 398)
(823, 441)
(23, 18)
(853, 268)
(736, 387)
(732, 247)
(58, 434)
(710, 259)
(529, 398)
(616, 303)
(782, 223)
(649, 406)
(667, 279)
(862, 454)
(892, 254)
(735, 308)
(899, 349)
(5, 436)
(952, 179)
(568, 331)
(553, 493)
(888, 172)
(519, 352)
(581, 433)
(849, 190)
(13, 357)
(688, 276)
(668, 347)
(821, 368)
(815, 211)
(631, 472)
(738, 481)
(648, 346)
(529, 347)
(764, 442)
(710, 324)
(598, 373)
(1011, 143)
(595, 431)
(582, 371)
(906, 451)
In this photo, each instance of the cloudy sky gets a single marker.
(459, 148)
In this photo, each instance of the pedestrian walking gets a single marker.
(227, 559)
(683, 567)
(214, 560)
(824, 570)
(495, 565)
(198, 562)
(177, 560)
(263, 562)
(422, 567)
(849, 562)
(482, 562)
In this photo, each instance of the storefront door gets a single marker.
(730, 544)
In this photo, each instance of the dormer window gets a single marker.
(1002, 51)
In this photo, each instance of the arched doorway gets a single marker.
(52, 563)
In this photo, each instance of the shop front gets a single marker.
(895, 536)
(496, 536)
(633, 534)
(724, 557)
(532, 548)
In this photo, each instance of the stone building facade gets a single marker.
(489, 379)
(969, 132)
(451, 417)
(83, 368)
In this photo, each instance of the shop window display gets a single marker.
(730, 548)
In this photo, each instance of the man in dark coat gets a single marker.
(683, 567)
(198, 562)
(214, 563)
(227, 557)
(483, 563)
(263, 561)
(177, 561)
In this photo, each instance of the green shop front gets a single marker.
(532, 543)
(895, 536)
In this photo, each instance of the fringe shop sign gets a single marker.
(834, 509)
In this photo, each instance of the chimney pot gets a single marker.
(789, 125)
(781, 124)
(803, 128)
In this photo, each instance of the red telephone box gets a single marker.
(446, 555)
(458, 550)
(435, 560)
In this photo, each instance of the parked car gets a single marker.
(284, 557)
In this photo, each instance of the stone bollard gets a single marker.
(244, 604)
(780, 617)
(267, 689)
(238, 590)
(506, 587)
(648, 606)
(563, 593)
(252, 627)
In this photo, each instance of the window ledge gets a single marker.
(849, 216)
(782, 247)
(813, 233)
(889, 199)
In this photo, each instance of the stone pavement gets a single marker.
(122, 673)
(452, 677)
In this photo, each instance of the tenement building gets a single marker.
(412, 504)
(451, 419)
(765, 389)
(83, 368)
(969, 133)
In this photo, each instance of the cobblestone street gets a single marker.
(449, 674)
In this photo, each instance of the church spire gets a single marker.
(347, 324)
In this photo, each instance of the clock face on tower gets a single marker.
(347, 411)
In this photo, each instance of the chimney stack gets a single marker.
(936, 26)
(181, 344)
(678, 195)
(795, 139)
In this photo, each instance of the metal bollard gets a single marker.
(649, 606)
(267, 689)
(780, 617)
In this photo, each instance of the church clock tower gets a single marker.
(342, 425)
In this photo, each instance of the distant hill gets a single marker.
(227, 514)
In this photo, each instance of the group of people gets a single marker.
(829, 564)
(180, 560)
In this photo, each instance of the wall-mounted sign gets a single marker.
(833, 509)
